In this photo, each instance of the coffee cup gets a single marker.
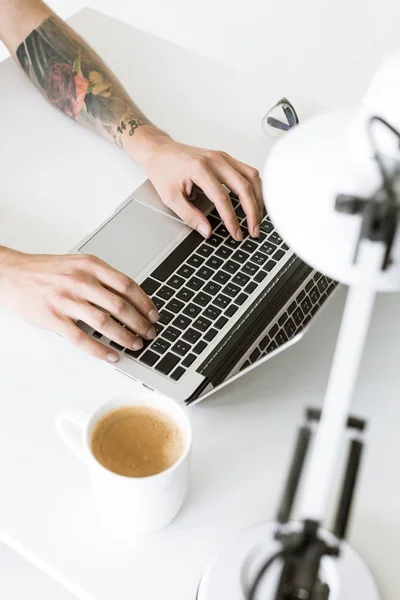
(131, 504)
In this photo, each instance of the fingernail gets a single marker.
(151, 334)
(111, 357)
(153, 316)
(239, 235)
(137, 344)
(256, 231)
(203, 230)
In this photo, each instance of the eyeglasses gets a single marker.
(279, 119)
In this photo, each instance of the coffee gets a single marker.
(137, 441)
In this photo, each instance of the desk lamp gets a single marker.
(332, 189)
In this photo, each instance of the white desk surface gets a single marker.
(57, 183)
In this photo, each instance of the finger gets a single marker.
(214, 191)
(121, 310)
(251, 174)
(104, 323)
(125, 286)
(84, 342)
(189, 213)
(244, 190)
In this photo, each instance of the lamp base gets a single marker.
(347, 576)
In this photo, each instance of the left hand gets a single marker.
(175, 168)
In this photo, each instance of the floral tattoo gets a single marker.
(74, 80)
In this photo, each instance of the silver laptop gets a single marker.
(225, 307)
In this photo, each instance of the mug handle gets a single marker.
(71, 424)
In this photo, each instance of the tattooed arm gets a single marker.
(74, 79)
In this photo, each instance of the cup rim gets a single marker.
(125, 403)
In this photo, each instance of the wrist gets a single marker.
(146, 141)
(9, 260)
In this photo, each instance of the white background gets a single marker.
(326, 49)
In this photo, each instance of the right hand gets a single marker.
(55, 292)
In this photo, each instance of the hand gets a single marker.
(54, 292)
(174, 168)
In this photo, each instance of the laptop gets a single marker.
(225, 307)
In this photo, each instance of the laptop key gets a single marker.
(282, 319)
(306, 305)
(272, 346)
(185, 271)
(165, 317)
(250, 268)
(175, 305)
(268, 248)
(241, 299)
(200, 347)
(149, 358)
(214, 262)
(290, 328)
(214, 240)
(258, 258)
(240, 212)
(249, 289)
(222, 301)
(260, 276)
(150, 285)
(171, 333)
(181, 348)
(221, 322)
(231, 267)
(255, 355)
(116, 346)
(212, 288)
(189, 360)
(160, 346)
(176, 282)
(177, 374)
(231, 243)
(158, 302)
(224, 251)
(195, 260)
(232, 290)
(292, 308)
(166, 292)
(309, 286)
(159, 328)
(195, 283)
(210, 335)
(212, 312)
(191, 310)
(249, 246)
(214, 221)
(281, 337)
(181, 322)
(202, 299)
(205, 250)
(266, 226)
(314, 295)
(222, 231)
(205, 273)
(177, 256)
(184, 294)
(230, 311)
(275, 238)
(134, 353)
(97, 334)
(298, 316)
(269, 266)
(191, 335)
(241, 279)
(221, 277)
(273, 331)
(285, 247)
(264, 342)
(278, 255)
(202, 324)
(240, 256)
(167, 363)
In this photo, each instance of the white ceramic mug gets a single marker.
(130, 505)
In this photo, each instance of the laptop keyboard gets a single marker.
(202, 284)
(294, 317)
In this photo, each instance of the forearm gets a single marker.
(72, 77)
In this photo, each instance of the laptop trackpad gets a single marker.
(133, 238)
